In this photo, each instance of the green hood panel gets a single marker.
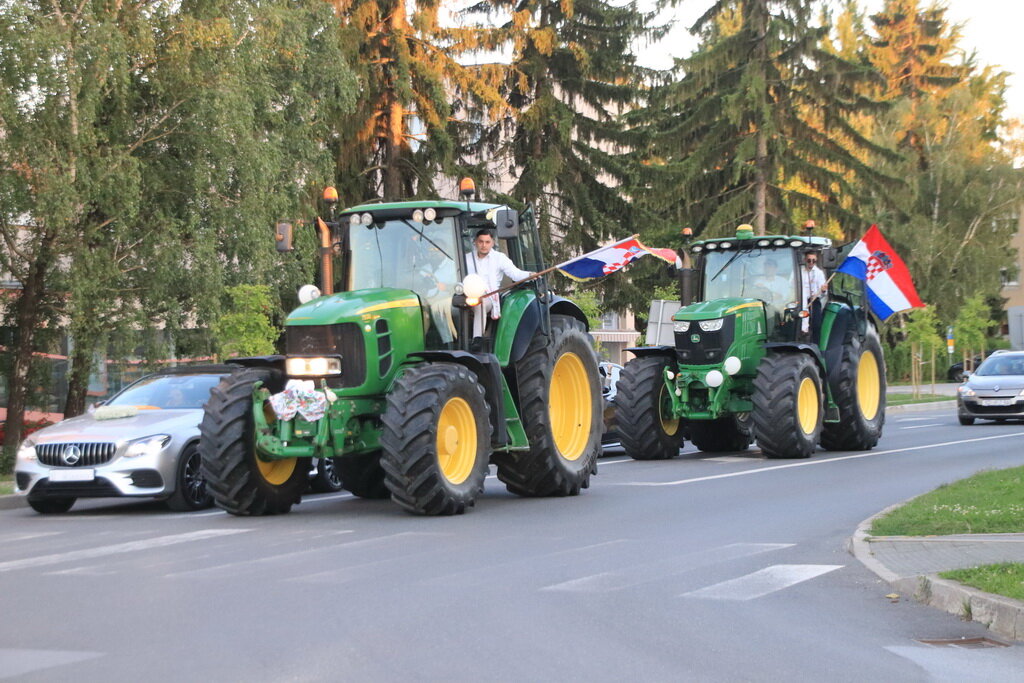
(707, 310)
(357, 306)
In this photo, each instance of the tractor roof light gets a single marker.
(764, 243)
(366, 219)
(696, 249)
(430, 214)
(711, 246)
(745, 232)
(467, 188)
(353, 219)
(725, 245)
(796, 243)
(779, 243)
(417, 215)
(330, 195)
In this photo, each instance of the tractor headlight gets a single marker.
(681, 326)
(714, 378)
(966, 390)
(430, 214)
(366, 219)
(353, 219)
(712, 325)
(147, 445)
(417, 215)
(312, 367)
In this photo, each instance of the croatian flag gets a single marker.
(611, 258)
(890, 289)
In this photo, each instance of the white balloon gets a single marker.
(307, 293)
(474, 286)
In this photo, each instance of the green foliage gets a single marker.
(590, 303)
(987, 503)
(971, 325)
(246, 328)
(922, 329)
(1002, 579)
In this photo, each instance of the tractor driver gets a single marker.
(491, 266)
(780, 288)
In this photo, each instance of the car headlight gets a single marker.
(27, 450)
(966, 390)
(712, 325)
(681, 325)
(312, 367)
(147, 445)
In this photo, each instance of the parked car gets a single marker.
(609, 381)
(995, 391)
(956, 370)
(141, 442)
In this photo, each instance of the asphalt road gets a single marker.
(701, 568)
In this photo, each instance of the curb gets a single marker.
(914, 407)
(1003, 616)
(12, 502)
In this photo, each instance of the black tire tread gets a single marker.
(636, 405)
(775, 413)
(853, 432)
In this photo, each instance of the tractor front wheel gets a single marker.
(730, 433)
(239, 480)
(643, 409)
(860, 395)
(436, 440)
(362, 475)
(788, 405)
(560, 406)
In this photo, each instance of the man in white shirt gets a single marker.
(815, 293)
(490, 265)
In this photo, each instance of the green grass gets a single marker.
(897, 399)
(990, 502)
(1002, 579)
(6, 484)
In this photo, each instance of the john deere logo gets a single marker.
(695, 338)
(71, 455)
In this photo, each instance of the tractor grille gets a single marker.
(710, 347)
(345, 339)
(89, 454)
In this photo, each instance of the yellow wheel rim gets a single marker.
(668, 425)
(276, 472)
(456, 440)
(807, 405)
(869, 387)
(569, 406)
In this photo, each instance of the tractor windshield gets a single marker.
(405, 254)
(767, 275)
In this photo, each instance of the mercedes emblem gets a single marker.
(71, 455)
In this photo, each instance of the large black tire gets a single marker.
(326, 478)
(436, 439)
(189, 485)
(560, 405)
(859, 393)
(362, 475)
(50, 506)
(788, 405)
(965, 420)
(730, 433)
(239, 481)
(641, 405)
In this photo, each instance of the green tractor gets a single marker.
(755, 358)
(382, 372)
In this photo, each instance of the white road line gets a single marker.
(117, 549)
(20, 662)
(914, 419)
(762, 582)
(14, 538)
(809, 463)
(935, 424)
(734, 458)
(638, 574)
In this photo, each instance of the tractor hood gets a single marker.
(361, 305)
(706, 310)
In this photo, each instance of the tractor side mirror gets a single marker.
(507, 223)
(283, 237)
(829, 258)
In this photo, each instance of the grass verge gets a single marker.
(1002, 579)
(6, 484)
(903, 399)
(987, 503)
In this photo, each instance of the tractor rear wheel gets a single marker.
(860, 395)
(362, 475)
(788, 405)
(560, 406)
(643, 409)
(730, 433)
(436, 439)
(238, 479)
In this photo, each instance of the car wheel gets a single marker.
(965, 420)
(189, 484)
(49, 506)
(327, 479)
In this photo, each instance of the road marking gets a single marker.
(117, 549)
(762, 582)
(734, 458)
(809, 463)
(14, 538)
(20, 662)
(934, 424)
(638, 574)
(914, 419)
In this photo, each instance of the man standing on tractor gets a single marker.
(491, 266)
(815, 292)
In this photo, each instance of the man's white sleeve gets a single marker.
(508, 269)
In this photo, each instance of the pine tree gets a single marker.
(758, 127)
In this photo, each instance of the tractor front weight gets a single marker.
(694, 399)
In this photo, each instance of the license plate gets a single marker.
(996, 401)
(72, 475)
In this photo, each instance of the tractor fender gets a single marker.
(641, 351)
(520, 319)
(559, 306)
(810, 349)
(488, 372)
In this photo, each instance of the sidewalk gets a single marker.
(910, 564)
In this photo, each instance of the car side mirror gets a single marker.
(283, 237)
(506, 221)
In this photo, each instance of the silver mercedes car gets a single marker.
(995, 391)
(141, 442)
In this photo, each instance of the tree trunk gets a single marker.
(759, 18)
(29, 315)
(761, 184)
(395, 113)
(78, 378)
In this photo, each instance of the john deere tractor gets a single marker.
(755, 359)
(382, 372)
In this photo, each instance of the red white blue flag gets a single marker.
(889, 286)
(611, 258)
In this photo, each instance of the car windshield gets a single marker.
(168, 391)
(998, 366)
(404, 254)
(759, 274)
